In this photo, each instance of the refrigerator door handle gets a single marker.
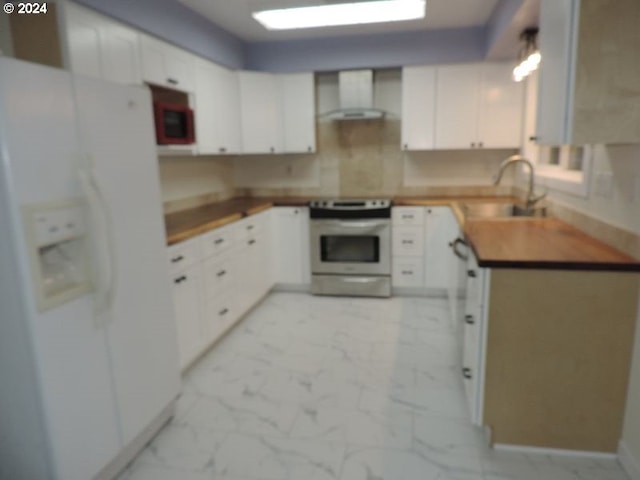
(103, 246)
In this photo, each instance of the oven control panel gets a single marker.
(350, 208)
(350, 204)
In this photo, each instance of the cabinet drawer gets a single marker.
(220, 275)
(183, 255)
(251, 226)
(407, 216)
(408, 272)
(408, 241)
(218, 241)
(221, 314)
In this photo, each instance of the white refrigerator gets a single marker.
(88, 352)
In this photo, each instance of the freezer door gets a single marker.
(40, 147)
(117, 133)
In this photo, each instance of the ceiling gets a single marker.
(235, 17)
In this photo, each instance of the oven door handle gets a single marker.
(357, 225)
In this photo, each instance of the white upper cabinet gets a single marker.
(478, 106)
(277, 113)
(120, 54)
(501, 106)
(83, 37)
(99, 47)
(457, 106)
(165, 65)
(260, 113)
(588, 88)
(418, 108)
(298, 112)
(217, 107)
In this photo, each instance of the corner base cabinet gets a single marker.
(547, 355)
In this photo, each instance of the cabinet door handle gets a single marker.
(181, 279)
(221, 273)
(218, 241)
(481, 144)
(172, 81)
(273, 150)
(473, 144)
(466, 373)
(472, 273)
(406, 146)
(533, 138)
(407, 242)
(456, 252)
(309, 149)
(407, 217)
(224, 311)
(222, 150)
(249, 227)
(468, 319)
(177, 259)
(251, 242)
(407, 272)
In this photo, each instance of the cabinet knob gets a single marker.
(295, 211)
(309, 149)
(272, 150)
(481, 144)
(466, 373)
(473, 144)
(533, 138)
(472, 273)
(222, 150)
(468, 319)
(406, 146)
(251, 242)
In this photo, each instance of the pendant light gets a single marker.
(529, 56)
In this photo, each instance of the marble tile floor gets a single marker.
(324, 388)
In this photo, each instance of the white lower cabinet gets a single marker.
(474, 335)
(184, 260)
(217, 277)
(291, 264)
(420, 247)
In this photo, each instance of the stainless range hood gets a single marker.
(356, 97)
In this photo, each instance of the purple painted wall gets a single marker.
(177, 24)
(172, 21)
(380, 51)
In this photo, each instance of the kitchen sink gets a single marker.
(501, 210)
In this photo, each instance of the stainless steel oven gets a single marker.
(350, 247)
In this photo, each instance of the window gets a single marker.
(565, 168)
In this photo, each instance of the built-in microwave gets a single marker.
(174, 124)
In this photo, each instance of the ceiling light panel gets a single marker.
(378, 11)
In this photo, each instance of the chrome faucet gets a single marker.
(531, 198)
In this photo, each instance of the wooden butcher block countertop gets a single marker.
(189, 223)
(544, 243)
